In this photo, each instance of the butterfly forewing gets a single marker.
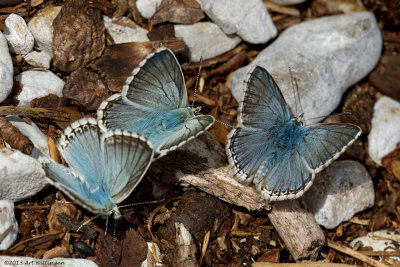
(127, 157)
(158, 83)
(263, 105)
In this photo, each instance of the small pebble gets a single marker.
(21, 176)
(205, 39)
(7, 219)
(38, 59)
(378, 241)
(18, 35)
(6, 69)
(248, 19)
(125, 30)
(41, 27)
(147, 8)
(38, 84)
(340, 191)
(385, 129)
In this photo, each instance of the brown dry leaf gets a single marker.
(178, 11)
(79, 35)
(57, 208)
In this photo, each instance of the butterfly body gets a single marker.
(273, 150)
(153, 102)
(104, 168)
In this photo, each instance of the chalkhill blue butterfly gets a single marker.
(273, 150)
(153, 102)
(104, 167)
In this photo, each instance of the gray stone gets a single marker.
(248, 19)
(38, 84)
(21, 176)
(125, 30)
(41, 27)
(340, 191)
(7, 219)
(15, 261)
(34, 134)
(6, 69)
(327, 56)
(385, 128)
(18, 35)
(147, 8)
(40, 59)
(205, 39)
(381, 240)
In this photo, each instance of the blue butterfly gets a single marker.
(273, 150)
(104, 168)
(153, 102)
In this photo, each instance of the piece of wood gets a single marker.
(185, 249)
(202, 163)
(297, 228)
(35, 113)
(355, 254)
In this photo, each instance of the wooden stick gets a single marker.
(36, 113)
(355, 254)
(202, 162)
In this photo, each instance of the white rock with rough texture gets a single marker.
(340, 191)
(327, 56)
(147, 8)
(7, 219)
(41, 26)
(17, 261)
(6, 69)
(38, 84)
(205, 39)
(385, 130)
(21, 176)
(287, 2)
(38, 59)
(30, 130)
(248, 19)
(378, 241)
(18, 35)
(125, 30)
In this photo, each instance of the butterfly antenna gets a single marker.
(114, 235)
(326, 116)
(141, 203)
(88, 221)
(293, 89)
(197, 82)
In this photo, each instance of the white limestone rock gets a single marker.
(40, 59)
(18, 35)
(21, 176)
(125, 30)
(38, 84)
(41, 27)
(34, 134)
(385, 130)
(147, 8)
(7, 219)
(340, 191)
(327, 56)
(378, 241)
(6, 69)
(248, 19)
(205, 39)
(18, 261)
